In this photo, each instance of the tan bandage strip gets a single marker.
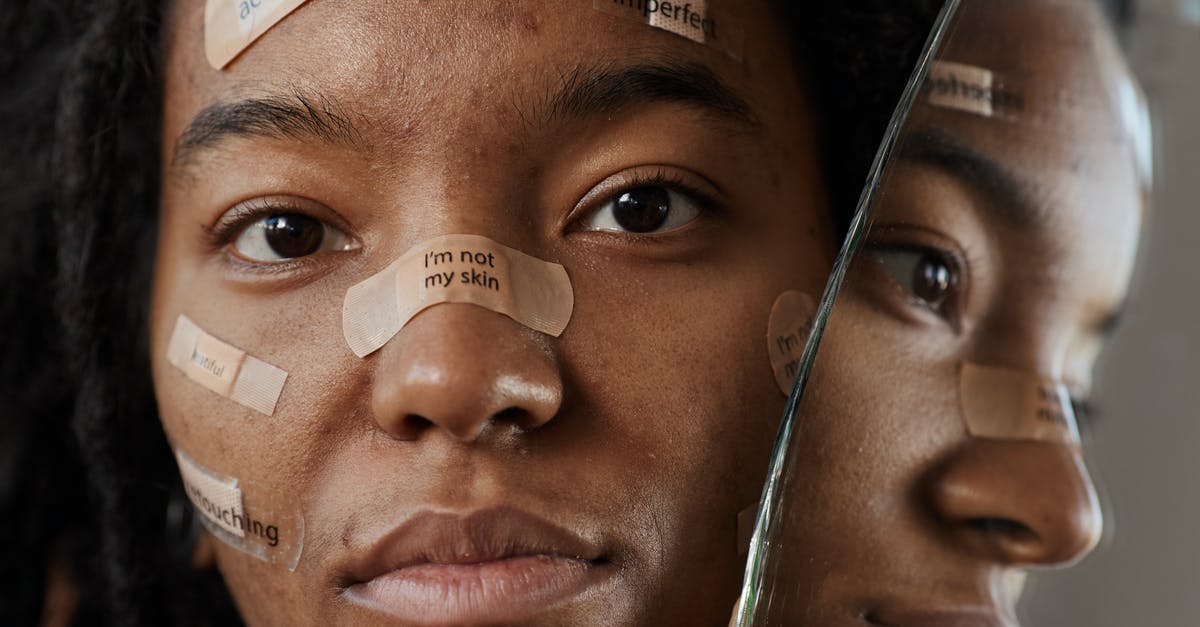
(787, 332)
(230, 26)
(968, 88)
(1004, 404)
(468, 269)
(253, 527)
(224, 369)
(694, 20)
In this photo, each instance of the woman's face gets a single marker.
(1005, 241)
(473, 468)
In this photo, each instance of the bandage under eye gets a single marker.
(467, 269)
(1004, 404)
(258, 522)
(223, 368)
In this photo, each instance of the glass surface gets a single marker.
(932, 455)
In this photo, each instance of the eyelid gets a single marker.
(707, 195)
(231, 223)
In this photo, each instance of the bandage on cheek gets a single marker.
(697, 20)
(254, 521)
(230, 26)
(787, 332)
(1003, 404)
(224, 369)
(468, 269)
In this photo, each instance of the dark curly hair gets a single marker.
(85, 472)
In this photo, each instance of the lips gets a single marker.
(496, 565)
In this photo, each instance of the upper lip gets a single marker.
(478, 537)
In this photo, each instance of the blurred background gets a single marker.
(1144, 448)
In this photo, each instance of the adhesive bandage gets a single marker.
(787, 332)
(230, 26)
(224, 369)
(251, 524)
(468, 269)
(696, 20)
(1003, 404)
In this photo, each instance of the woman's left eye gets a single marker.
(648, 209)
(285, 236)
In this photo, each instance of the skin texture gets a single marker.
(643, 429)
(896, 515)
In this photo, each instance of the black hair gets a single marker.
(85, 471)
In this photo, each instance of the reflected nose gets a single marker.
(1018, 503)
(460, 369)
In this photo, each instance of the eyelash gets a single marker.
(222, 235)
(706, 201)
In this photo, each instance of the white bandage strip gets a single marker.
(224, 369)
(230, 26)
(1004, 404)
(468, 269)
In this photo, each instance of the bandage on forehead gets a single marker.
(467, 269)
(701, 21)
(1005, 404)
(787, 332)
(224, 369)
(257, 522)
(230, 26)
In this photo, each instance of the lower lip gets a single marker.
(505, 590)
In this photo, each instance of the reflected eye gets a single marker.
(926, 275)
(648, 209)
(284, 236)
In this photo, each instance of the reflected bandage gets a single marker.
(1004, 404)
(468, 269)
(787, 333)
(224, 369)
(230, 26)
(251, 523)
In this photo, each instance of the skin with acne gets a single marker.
(1006, 242)
(601, 472)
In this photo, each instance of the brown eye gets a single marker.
(648, 209)
(926, 275)
(642, 210)
(284, 236)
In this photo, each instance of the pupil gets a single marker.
(292, 235)
(933, 280)
(642, 210)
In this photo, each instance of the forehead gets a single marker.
(408, 60)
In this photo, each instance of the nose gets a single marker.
(460, 369)
(1018, 503)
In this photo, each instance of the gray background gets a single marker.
(1145, 450)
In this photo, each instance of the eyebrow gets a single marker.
(588, 91)
(295, 116)
(1016, 201)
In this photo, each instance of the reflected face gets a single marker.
(1006, 241)
(473, 470)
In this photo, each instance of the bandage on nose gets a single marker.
(468, 269)
(1004, 404)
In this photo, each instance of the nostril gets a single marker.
(1005, 527)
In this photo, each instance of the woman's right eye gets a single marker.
(927, 276)
(285, 236)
